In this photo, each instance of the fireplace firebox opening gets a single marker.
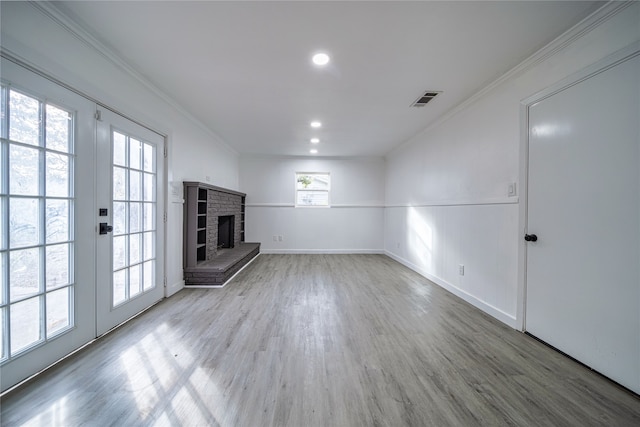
(226, 228)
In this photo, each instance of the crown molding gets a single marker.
(90, 40)
(557, 45)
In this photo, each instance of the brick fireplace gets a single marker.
(227, 206)
(214, 246)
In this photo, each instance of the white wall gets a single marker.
(353, 224)
(447, 187)
(195, 153)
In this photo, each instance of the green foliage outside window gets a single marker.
(305, 180)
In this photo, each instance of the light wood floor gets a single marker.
(319, 340)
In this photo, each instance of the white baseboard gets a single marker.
(487, 308)
(322, 251)
(172, 289)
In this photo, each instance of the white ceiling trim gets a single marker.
(576, 32)
(72, 27)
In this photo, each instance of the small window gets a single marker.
(312, 189)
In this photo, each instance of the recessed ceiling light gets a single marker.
(315, 124)
(313, 151)
(315, 140)
(320, 59)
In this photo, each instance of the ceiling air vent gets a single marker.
(425, 98)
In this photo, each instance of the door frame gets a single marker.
(600, 66)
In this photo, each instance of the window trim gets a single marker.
(296, 190)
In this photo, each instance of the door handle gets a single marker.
(105, 228)
(530, 237)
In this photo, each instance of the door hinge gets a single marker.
(164, 217)
(98, 115)
(166, 151)
(164, 281)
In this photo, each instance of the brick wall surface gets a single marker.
(221, 204)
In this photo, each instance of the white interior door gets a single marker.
(47, 243)
(583, 281)
(130, 252)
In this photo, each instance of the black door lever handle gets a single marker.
(105, 228)
(530, 237)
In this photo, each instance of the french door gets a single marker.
(68, 175)
(47, 243)
(130, 248)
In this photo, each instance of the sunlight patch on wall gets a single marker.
(419, 239)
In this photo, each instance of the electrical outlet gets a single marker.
(512, 189)
(461, 269)
(279, 238)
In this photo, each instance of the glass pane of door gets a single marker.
(133, 206)
(37, 210)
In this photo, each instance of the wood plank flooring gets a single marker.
(319, 340)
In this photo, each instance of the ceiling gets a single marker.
(244, 68)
